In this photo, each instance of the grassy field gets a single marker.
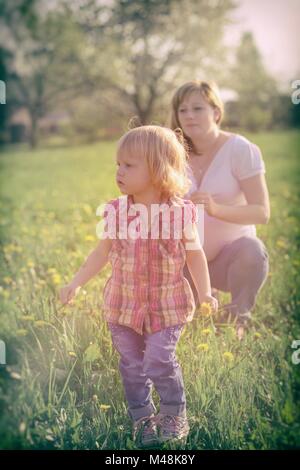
(61, 388)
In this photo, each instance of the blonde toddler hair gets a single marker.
(164, 151)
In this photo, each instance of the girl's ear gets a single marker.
(179, 135)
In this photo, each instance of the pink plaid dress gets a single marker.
(147, 290)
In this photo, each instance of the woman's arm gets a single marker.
(197, 265)
(257, 210)
(96, 261)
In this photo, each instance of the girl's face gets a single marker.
(132, 174)
(196, 116)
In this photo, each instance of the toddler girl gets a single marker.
(150, 233)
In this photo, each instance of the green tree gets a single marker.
(46, 57)
(151, 46)
(256, 89)
(14, 16)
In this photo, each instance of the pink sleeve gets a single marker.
(247, 160)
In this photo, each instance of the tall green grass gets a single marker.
(61, 388)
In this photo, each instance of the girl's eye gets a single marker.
(128, 165)
(182, 110)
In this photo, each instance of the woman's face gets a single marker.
(196, 116)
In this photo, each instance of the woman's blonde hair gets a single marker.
(209, 92)
(164, 151)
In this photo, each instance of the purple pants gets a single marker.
(147, 360)
(240, 268)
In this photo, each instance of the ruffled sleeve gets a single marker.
(246, 159)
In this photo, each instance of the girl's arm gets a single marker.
(94, 263)
(197, 264)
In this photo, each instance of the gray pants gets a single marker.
(240, 268)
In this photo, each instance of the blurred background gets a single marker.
(77, 71)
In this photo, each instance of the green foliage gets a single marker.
(61, 388)
(255, 88)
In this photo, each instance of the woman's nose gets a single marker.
(189, 114)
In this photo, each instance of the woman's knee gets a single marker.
(251, 254)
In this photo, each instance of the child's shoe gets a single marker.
(145, 431)
(172, 428)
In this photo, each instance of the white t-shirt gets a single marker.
(237, 159)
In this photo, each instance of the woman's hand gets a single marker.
(207, 200)
(67, 293)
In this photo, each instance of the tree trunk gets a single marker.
(33, 138)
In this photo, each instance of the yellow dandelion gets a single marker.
(206, 331)
(72, 354)
(104, 407)
(5, 294)
(30, 264)
(257, 335)
(205, 309)
(228, 356)
(87, 209)
(40, 323)
(51, 271)
(90, 238)
(56, 279)
(21, 332)
(203, 347)
(27, 318)
(12, 248)
(281, 243)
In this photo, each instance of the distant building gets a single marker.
(19, 124)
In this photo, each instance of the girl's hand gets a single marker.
(212, 301)
(67, 293)
(207, 200)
